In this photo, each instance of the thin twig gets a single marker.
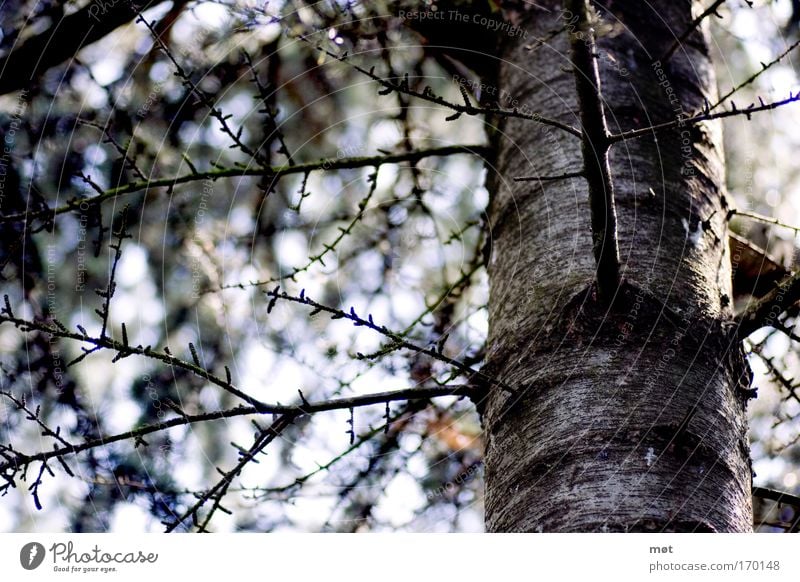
(327, 247)
(265, 96)
(215, 112)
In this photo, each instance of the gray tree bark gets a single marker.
(628, 417)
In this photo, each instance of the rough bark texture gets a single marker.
(629, 418)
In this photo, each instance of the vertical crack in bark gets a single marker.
(594, 147)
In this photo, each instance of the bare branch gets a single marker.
(124, 350)
(564, 176)
(595, 144)
(401, 86)
(476, 375)
(789, 384)
(275, 172)
(777, 496)
(754, 76)
(16, 459)
(767, 310)
(705, 116)
(762, 218)
(219, 490)
(692, 27)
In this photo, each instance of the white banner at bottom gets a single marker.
(390, 557)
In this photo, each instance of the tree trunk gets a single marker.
(629, 417)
